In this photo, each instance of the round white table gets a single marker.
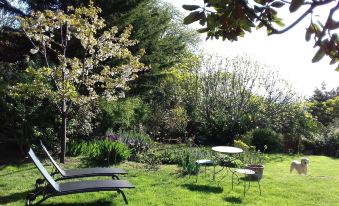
(227, 149)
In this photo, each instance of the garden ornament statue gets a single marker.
(301, 166)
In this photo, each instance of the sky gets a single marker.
(288, 53)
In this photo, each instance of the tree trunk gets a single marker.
(63, 132)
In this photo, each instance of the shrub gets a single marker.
(102, 152)
(122, 114)
(187, 157)
(266, 136)
(187, 162)
(169, 156)
(241, 144)
(76, 147)
(137, 142)
(151, 160)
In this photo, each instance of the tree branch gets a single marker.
(330, 15)
(7, 7)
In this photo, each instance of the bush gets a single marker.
(326, 142)
(123, 114)
(266, 136)
(137, 142)
(187, 161)
(187, 156)
(102, 152)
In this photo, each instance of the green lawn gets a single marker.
(167, 187)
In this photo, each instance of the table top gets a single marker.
(227, 149)
(245, 171)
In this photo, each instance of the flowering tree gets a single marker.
(75, 75)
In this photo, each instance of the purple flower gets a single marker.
(113, 137)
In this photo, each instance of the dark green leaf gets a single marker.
(258, 8)
(278, 21)
(260, 25)
(334, 60)
(295, 5)
(320, 24)
(212, 21)
(277, 4)
(202, 30)
(308, 34)
(318, 56)
(190, 7)
(203, 20)
(332, 24)
(194, 16)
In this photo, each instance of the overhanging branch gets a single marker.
(7, 7)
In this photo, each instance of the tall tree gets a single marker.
(157, 25)
(323, 105)
(68, 80)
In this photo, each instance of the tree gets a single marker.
(230, 19)
(166, 41)
(323, 105)
(74, 78)
(238, 95)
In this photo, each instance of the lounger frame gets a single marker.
(50, 188)
(113, 172)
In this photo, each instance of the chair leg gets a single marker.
(198, 169)
(115, 177)
(249, 182)
(123, 195)
(214, 172)
(43, 199)
(232, 180)
(244, 185)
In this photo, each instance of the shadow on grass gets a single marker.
(16, 171)
(93, 203)
(15, 162)
(233, 199)
(13, 197)
(203, 188)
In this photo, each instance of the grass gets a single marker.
(167, 187)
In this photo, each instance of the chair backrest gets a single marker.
(42, 170)
(62, 172)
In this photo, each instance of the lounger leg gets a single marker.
(259, 187)
(123, 195)
(38, 183)
(32, 196)
(115, 177)
(43, 199)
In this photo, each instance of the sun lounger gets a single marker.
(53, 188)
(84, 172)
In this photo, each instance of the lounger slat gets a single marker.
(94, 185)
(83, 172)
(89, 172)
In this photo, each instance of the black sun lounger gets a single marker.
(53, 188)
(85, 172)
